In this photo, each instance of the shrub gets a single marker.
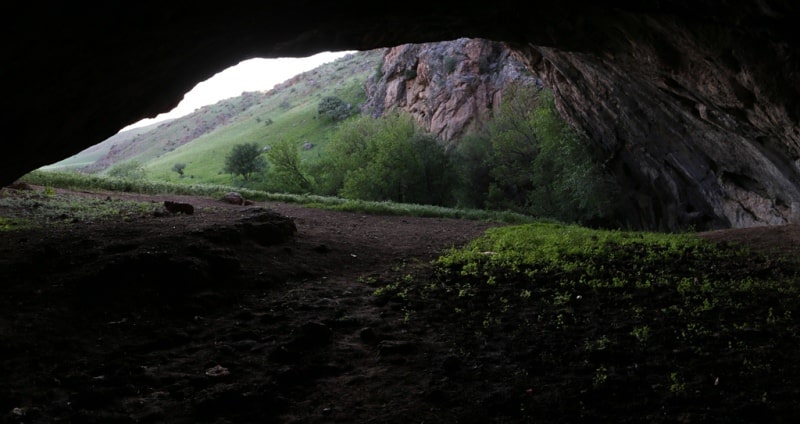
(531, 161)
(333, 108)
(130, 170)
(386, 158)
(245, 160)
(450, 64)
(179, 167)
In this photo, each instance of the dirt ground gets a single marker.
(223, 316)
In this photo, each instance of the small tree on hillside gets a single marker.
(179, 167)
(333, 109)
(245, 160)
(286, 170)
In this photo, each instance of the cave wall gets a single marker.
(695, 104)
(698, 118)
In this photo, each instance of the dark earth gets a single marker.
(238, 314)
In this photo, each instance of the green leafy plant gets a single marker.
(333, 109)
(179, 168)
(130, 170)
(286, 171)
(387, 159)
(245, 160)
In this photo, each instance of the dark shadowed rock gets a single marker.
(178, 207)
(233, 198)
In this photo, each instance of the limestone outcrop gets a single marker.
(449, 87)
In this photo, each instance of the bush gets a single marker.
(130, 170)
(179, 167)
(387, 158)
(570, 184)
(245, 160)
(531, 161)
(333, 109)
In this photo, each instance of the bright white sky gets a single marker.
(249, 75)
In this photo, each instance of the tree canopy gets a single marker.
(245, 159)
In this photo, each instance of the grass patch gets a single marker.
(612, 321)
(37, 208)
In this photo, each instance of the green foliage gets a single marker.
(716, 322)
(130, 170)
(286, 171)
(40, 208)
(245, 159)
(530, 160)
(471, 161)
(179, 168)
(378, 73)
(333, 109)
(569, 183)
(514, 146)
(386, 159)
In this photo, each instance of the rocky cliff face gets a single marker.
(698, 118)
(688, 132)
(449, 87)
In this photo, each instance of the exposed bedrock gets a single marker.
(699, 120)
(695, 104)
(450, 88)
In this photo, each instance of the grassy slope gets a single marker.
(291, 108)
(293, 113)
(90, 155)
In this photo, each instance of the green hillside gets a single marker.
(89, 157)
(202, 139)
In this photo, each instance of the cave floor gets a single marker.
(182, 319)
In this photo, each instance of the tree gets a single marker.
(570, 183)
(350, 147)
(471, 160)
(541, 166)
(245, 160)
(514, 147)
(179, 167)
(387, 158)
(333, 109)
(286, 170)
